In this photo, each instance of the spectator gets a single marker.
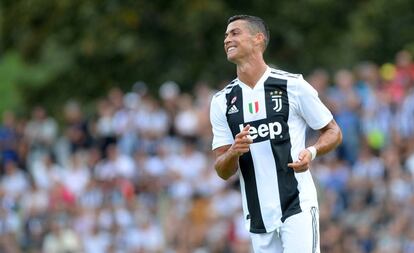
(14, 182)
(76, 176)
(186, 121)
(152, 187)
(105, 128)
(61, 239)
(345, 104)
(115, 165)
(77, 127)
(8, 137)
(40, 133)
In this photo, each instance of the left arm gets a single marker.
(330, 138)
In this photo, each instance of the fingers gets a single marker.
(242, 141)
(243, 137)
(240, 148)
(244, 132)
(303, 162)
(299, 166)
(246, 128)
(243, 150)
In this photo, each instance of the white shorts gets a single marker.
(298, 234)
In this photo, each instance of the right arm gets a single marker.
(227, 157)
(227, 148)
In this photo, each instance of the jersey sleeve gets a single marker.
(221, 131)
(311, 108)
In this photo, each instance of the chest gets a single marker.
(265, 108)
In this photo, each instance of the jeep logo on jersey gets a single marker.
(277, 98)
(264, 130)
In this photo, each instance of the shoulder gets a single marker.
(294, 81)
(281, 74)
(297, 85)
(219, 100)
(226, 90)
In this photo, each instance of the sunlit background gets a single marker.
(105, 140)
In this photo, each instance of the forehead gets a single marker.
(238, 24)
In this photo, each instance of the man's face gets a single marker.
(238, 40)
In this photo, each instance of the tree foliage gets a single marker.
(81, 48)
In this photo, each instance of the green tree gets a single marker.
(81, 48)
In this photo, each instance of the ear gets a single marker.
(260, 39)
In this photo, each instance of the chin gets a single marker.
(231, 59)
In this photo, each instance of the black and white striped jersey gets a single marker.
(277, 109)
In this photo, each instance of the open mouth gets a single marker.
(229, 49)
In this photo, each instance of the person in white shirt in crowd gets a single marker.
(97, 241)
(41, 133)
(187, 167)
(104, 125)
(76, 175)
(152, 123)
(46, 171)
(115, 165)
(124, 124)
(187, 120)
(14, 182)
(61, 238)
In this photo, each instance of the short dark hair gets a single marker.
(256, 25)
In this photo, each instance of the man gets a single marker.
(259, 122)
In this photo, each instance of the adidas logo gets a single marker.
(233, 109)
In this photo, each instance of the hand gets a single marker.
(242, 142)
(303, 162)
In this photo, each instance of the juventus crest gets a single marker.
(277, 98)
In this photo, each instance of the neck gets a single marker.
(249, 72)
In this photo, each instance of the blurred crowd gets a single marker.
(135, 174)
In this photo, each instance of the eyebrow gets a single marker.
(232, 30)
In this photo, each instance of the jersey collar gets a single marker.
(260, 82)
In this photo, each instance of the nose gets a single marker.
(226, 40)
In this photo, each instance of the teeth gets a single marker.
(230, 49)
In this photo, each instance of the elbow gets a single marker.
(223, 175)
(226, 165)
